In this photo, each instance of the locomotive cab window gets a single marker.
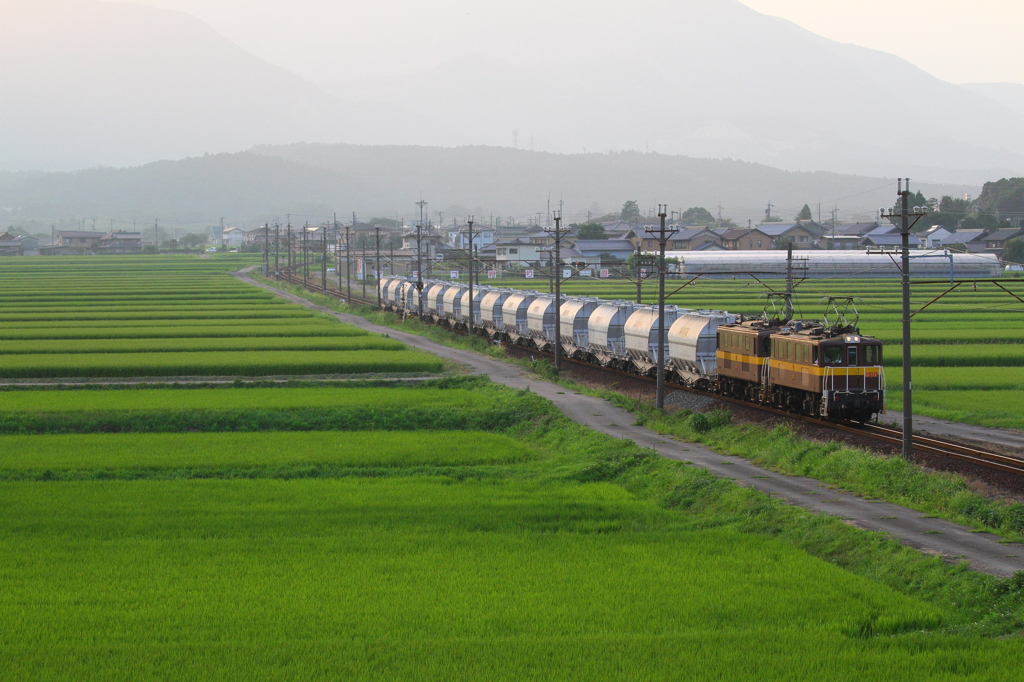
(851, 355)
(833, 355)
(871, 355)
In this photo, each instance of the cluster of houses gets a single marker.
(511, 247)
(86, 243)
(514, 247)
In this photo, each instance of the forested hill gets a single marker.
(317, 179)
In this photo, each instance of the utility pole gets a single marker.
(277, 249)
(376, 229)
(156, 237)
(323, 260)
(419, 268)
(558, 235)
(469, 233)
(266, 249)
(348, 265)
(305, 254)
(337, 251)
(362, 259)
(905, 223)
(288, 241)
(789, 282)
(663, 235)
(768, 212)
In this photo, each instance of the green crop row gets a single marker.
(960, 355)
(254, 313)
(247, 363)
(961, 378)
(277, 409)
(994, 408)
(14, 329)
(422, 579)
(249, 454)
(230, 306)
(285, 327)
(179, 345)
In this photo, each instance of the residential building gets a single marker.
(968, 241)
(592, 250)
(692, 238)
(11, 245)
(840, 242)
(119, 242)
(515, 253)
(935, 237)
(746, 239)
(232, 237)
(888, 241)
(995, 242)
(802, 236)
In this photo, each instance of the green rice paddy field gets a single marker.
(519, 551)
(968, 348)
(172, 316)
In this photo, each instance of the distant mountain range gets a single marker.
(90, 83)
(312, 181)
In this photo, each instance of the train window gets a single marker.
(871, 355)
(851, 355)
(814, 355)
(833, 355)
(747, 343)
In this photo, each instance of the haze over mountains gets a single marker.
(90, 83)
(311, 181)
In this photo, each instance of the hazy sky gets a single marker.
(331, 40)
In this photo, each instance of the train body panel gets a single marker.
(607, 332)
(693, 344)
(434, 299)
(382, 289)
(478, 295)
(514, 315)
(491, 312)
(641, 331)
(452, 302)
(824, 373)
(395, 290)
(573, 316)
(541, 320)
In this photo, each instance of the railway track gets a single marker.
(927, 445)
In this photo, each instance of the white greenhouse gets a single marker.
(818, 264)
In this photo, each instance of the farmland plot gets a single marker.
(170, 317)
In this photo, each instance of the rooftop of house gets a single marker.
(964, 236)
(1003, 235)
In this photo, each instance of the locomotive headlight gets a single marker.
(852, 339)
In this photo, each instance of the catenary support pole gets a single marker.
(377, 276)
(789, 282)
(908, 403)
(469, 324)
(558, 291)
(663, 234)
(348, 265)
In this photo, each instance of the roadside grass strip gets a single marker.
(246, 455)
(424, 579)
(199, 363)
(234, 343)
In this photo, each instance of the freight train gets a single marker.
(815, 368)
